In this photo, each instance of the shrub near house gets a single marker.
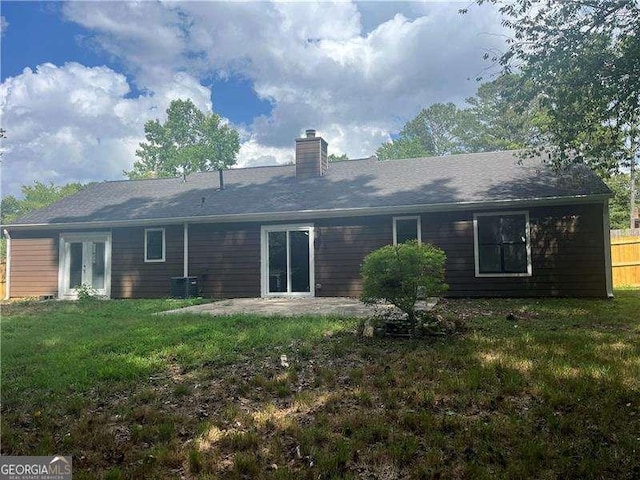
(400, 273)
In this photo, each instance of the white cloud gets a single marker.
(75, 123)
(3, 25)
(354, 72)
(148, 37)
(253, 154)
(313, 61)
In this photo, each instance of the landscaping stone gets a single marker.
(367, 331)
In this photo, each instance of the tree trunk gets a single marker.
(413, 322)
(633, 186)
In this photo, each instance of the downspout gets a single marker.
(607, 248)
(7, 289)
(185, 243)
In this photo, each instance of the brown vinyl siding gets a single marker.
(131, 276)
(567, 247)
(226, 259)
(567, 253)
(341, 246)
(34, 264)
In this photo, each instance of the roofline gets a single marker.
(324, 213)
(234, 169)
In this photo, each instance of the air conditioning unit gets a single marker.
(184, 287)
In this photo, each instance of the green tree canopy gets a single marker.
(619, 205)
(35, 196)
(488, 122)
(434, 131)
(494, 122)
(402, 147)
(581, 62)
(337, 158)
(188, 141)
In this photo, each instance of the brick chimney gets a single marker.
(311, 156)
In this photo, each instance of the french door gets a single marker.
(288, 260)
(85, 263)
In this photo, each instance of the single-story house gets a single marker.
(509, 227)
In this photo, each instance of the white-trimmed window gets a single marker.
(502, 244)
(154, 245)
(405, 229)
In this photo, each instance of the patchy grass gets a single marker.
(553, 391)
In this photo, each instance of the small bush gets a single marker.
(86, 292)
(399, 273)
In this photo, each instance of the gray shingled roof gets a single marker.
(469, 178)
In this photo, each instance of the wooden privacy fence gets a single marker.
(3, 279)
(625, 257)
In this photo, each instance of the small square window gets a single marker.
(154, 246)
(406, 229)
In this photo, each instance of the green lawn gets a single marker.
(554, 393)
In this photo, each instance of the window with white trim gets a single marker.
(405, 229)
(154, 245)
(502, 244)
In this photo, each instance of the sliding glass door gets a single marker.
(287, 260)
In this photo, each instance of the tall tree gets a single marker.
(436, 130)
(10, 209)
(581, 60)
(620, 204)
(494, 122)
(489, 122)
(439, 129)
(337, 158)
(188, 141)
(35, 196)
(402, 147)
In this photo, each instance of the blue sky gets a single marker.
(80, 79)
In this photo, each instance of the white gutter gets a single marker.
(322, 213)
(7, 276)
(185, 249)
(607, 248)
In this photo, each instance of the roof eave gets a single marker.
(321, 213)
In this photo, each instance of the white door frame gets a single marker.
(264, 259)
(64, 261)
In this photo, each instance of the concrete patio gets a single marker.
(290, 307)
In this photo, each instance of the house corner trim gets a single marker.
(606, 231)
(185, 245)
(7, 274)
